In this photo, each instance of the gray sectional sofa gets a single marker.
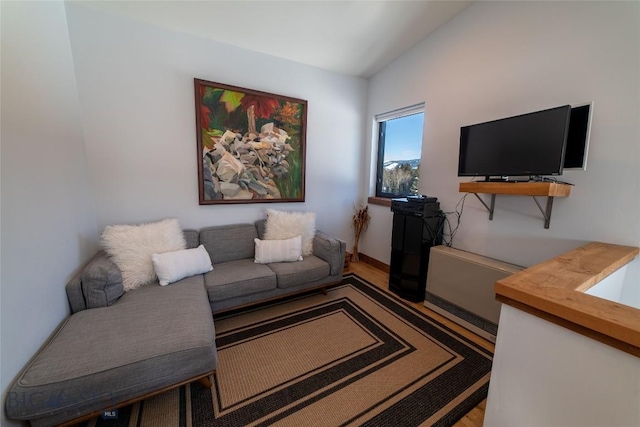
(119, 347)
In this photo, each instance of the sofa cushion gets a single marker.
(192, 238)
(101, 281)
(238, 278)
(290, 274)
(229, 242)
(74, 293)
(260, 225)
(152, 337)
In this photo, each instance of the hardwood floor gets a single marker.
(379, 278)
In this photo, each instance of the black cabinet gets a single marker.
(412, 237)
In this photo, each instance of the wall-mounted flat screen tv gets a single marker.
(579, 134)
(529, 144)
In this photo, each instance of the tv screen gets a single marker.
(578, 139)
(528, 144)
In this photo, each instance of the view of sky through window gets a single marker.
(403, 139)
(400, 147)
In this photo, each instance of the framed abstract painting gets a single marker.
(251, 145)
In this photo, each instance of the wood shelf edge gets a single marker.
(549, 189)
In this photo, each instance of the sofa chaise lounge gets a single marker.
(120, 347)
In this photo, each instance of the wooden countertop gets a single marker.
(554, 290)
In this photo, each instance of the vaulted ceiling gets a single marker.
(352, 37)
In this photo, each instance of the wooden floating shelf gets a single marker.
(533, 189)
(549, 189)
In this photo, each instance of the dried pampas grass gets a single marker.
(360, 223)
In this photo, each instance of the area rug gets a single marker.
(356, 356)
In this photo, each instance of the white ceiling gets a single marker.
(352, 37)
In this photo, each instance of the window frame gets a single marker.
(381, 120)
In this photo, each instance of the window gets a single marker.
(399, 152)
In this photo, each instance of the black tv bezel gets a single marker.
(509, 173)
(583, 144)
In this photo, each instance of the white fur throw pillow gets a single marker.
(287, 250)
(173, 266)
(286, 225)
(131, 247)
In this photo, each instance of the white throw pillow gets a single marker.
(173, 266)
(131, 247)
(287, 250)
(285, 225)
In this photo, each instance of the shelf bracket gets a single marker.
(545, 213)
(493, 204)
(550, 190)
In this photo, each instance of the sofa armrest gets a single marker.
(98, 284)
(74, 293)
(331, 250)
(192, 237)
(101, 282)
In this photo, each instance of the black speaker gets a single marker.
(411, 239)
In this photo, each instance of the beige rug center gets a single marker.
(254, 366)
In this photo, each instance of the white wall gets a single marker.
(136, 88)
(49, 225)
(546, 375)
(630, 292)
(622, 286)
(611, 287)
(498, 59)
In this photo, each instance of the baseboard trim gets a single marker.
(374, 262)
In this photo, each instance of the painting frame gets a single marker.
(251, 145)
